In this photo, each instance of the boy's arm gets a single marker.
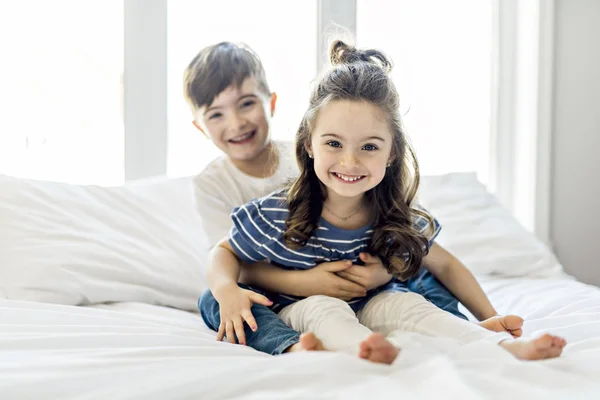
(213, 209)
(320, 280)
(460, 281)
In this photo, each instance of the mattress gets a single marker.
(140, 351)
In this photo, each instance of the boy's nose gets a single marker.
(237, 122)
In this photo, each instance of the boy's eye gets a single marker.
(248, 103)
(334, 143)
(370, 147)
(215, 115)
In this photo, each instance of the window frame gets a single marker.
(520, 174)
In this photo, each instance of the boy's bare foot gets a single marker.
(377, 348)
(504, 323)
(546, 346)
(308, 342)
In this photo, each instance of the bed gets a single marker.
(98, 289)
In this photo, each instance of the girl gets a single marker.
(354, 194)
(226, 88)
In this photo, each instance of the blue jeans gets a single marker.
(273, 336)
(434, 291)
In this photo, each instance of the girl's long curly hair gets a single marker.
(363, 75)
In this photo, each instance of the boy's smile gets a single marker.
(238, 121)
(243, 138)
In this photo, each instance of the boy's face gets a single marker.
(238, 120)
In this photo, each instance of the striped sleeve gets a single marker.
(423, 226)
(252, 231)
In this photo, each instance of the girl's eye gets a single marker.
(215, 115)
(370, 147)
(248, 103)
(334, 143)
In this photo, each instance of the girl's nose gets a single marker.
(349, 160)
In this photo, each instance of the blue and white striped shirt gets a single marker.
(257, 235)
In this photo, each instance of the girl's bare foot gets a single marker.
(308, 342)
(546, 346)
(377, 348)
(504, 323)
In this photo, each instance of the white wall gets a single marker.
(575, 221)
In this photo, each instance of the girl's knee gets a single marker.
(407, 298)
(321, 303)
(413, 297)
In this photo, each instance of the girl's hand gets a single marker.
(234, 307)
(512, 324)
(324, 280)
(370, 276)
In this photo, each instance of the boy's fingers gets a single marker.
(221, 332)
(356, 270)
(260, 299)
(351, 287)
(349, 294)
(238, 325)
(353, 295)
(369, 259)
(337, 266)
(349, 277)
(230, 332)
(249, 318)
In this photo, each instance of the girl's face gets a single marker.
(351, 144)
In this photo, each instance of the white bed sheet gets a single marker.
(140, 351)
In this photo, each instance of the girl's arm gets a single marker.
(223, 272)
(460, 281)
(223, 268)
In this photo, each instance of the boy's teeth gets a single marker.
(240, 138)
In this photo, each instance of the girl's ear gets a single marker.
(308, 148)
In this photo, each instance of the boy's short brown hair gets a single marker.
(218, 66)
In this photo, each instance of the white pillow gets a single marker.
(480, 232)
(73, 244)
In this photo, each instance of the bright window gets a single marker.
(442, 51)
(284, 35)
(62, 63)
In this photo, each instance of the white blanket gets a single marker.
(140, 351)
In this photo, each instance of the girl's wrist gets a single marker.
(222, 288)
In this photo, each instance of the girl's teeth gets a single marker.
(348, 178)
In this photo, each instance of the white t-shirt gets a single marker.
(222, 186)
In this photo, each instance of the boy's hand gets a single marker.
(324, 280)
(370, 276)
(234, 307)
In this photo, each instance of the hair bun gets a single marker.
(342, 53)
